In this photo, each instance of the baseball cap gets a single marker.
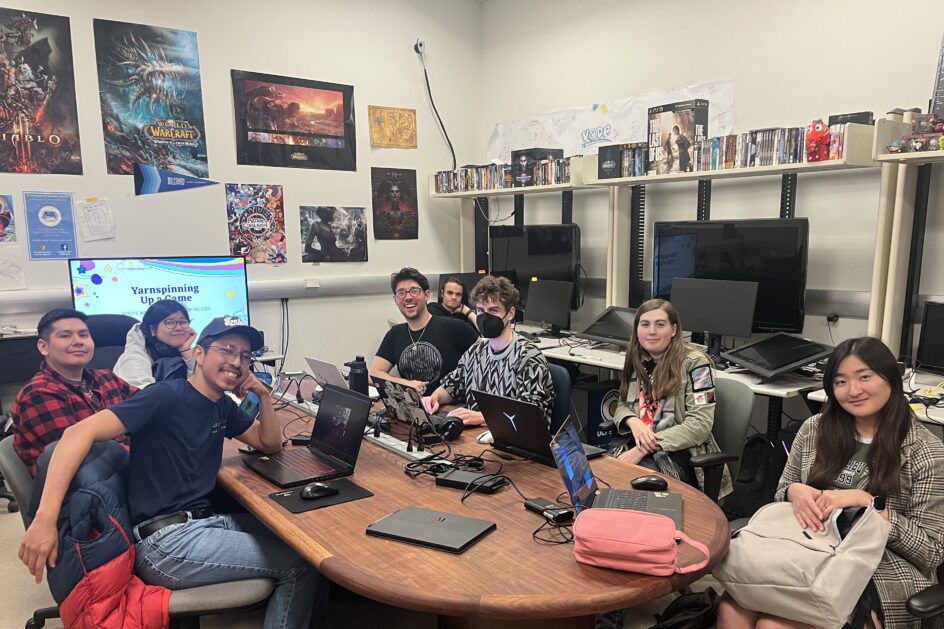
(231, 325)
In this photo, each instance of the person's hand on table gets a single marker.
(468, 416)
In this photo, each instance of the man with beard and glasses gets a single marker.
(425, 347)
(177, 429)
(507, 365)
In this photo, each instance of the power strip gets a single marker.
(398, 447)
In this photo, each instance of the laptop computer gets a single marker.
(326, 373)
(582, 486)
(520, 428)
(434, 529)
(403, 401)
(333, 448)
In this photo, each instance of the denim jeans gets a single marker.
(234, 547)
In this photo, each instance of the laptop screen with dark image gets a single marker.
(339, 427)
(574, 466)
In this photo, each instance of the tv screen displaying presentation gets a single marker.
(771, 252)
(207, 286)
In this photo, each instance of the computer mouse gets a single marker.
(313, 491)
(649, 483)
(485, 437)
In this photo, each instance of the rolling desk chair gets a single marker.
(734, 405)
(186, 606)
(109, 331)
(561, 380)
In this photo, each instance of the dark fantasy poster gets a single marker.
(152, 105)
(333, 234)
(292, 122)
(394, 200)
(255, 216)
(39, 131)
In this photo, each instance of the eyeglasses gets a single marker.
(416, 291)
(230, 351)
(172, 324)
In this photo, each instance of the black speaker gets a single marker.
(595, 403)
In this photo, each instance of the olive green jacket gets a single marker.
(689, 429)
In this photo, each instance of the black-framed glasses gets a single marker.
(416, 291)
(230, 351)
(172, 324)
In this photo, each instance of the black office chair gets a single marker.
(109, 332)
(734, 405)
(186, 606)
(561, 379)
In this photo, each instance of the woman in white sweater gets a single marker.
(159, 347)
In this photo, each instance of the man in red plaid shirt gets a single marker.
(63, 392)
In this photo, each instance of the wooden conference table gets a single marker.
(504, 580)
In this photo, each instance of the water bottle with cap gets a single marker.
(357, 376)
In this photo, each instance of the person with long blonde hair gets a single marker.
(667, 398)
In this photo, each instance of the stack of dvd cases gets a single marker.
(499, 176)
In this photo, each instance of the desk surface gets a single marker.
(504, 576)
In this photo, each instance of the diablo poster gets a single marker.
(152, 104)
(255, 217)
(394, 202)
(39, 131)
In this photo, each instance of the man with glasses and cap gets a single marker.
(177, 429)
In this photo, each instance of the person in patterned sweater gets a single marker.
(63, 391)
(506, 364)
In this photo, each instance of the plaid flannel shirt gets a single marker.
(48, 404)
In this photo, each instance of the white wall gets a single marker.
(791, 62)
(364, 43)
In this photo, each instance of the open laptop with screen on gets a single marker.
(520, 428)
(333, 448)
(582, 486)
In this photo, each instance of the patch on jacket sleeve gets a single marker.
(701, 378)
(705, 397)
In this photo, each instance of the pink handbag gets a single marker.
(635, 541)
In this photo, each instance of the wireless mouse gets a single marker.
(485, 437)
(648, 483)
(313, 491)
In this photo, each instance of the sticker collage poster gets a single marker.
(38, 120)
(394, 203)
(333, 234)
(152, 104)
(255, 216)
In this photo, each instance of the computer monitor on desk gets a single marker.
(717, 307)
(930, 356)
(549, 303)
(613, 326)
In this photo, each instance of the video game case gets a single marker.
(673, 132)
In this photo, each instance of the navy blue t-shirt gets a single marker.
(176, 446)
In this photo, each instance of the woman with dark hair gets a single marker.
(667, 399)
(159, 347)
(866, 443)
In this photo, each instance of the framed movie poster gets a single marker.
(38, 120)
(333, 234)
(395, 206)
(293, 123)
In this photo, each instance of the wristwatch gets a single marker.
(878, 503)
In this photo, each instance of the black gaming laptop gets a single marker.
(333, 448)
(435, 529)
(520, 428)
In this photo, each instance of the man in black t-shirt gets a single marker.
(425, 347)
(452, 304)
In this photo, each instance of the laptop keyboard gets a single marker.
(301, 460)
(623, 499)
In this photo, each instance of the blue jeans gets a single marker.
(234, 547)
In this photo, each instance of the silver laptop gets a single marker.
(326, 373)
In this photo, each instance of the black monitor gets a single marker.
(777, 354)
(718, 307)
(544, 252)
(771, 252)
(549, 303)
(614, 325)
(930, 355)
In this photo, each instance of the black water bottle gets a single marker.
(357, 376)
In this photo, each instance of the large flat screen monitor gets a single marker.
(544, 252)
(719, 307)
(771, 252)
(207, 286)
(931, 344)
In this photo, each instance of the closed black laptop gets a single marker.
(333, 448)
(434, 529)
(520, 428)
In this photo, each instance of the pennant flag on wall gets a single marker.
(151, 180)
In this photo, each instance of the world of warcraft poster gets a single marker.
(293, 123)
(39, 131)
(152, 104)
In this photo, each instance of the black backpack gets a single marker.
(762, 463)
(698, 610)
